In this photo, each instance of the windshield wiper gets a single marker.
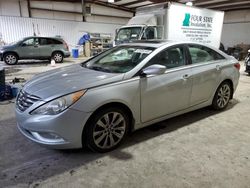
(84, 65)
(97, 68)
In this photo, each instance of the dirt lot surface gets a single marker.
(203, 148)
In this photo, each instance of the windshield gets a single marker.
(15, 42)
(128, 34)
(119, 59)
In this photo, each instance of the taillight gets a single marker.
(237, 66)
(65, 45)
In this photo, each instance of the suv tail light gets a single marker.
(237, 66)
(65, 45)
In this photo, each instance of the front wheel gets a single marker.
(222, 96)
(58, 57)
(107, 129)
(10, 58)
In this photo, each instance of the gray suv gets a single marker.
(35, 48)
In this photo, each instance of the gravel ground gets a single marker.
(203, 148)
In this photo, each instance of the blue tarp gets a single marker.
(83, 39)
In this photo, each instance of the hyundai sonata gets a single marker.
(96, 103)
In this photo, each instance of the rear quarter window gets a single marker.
(200, 54)
(57, 41)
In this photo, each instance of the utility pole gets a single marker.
(83, 11)
(29, 11)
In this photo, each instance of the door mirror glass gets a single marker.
(155, 69)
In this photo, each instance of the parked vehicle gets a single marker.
(35, 48)
(247, 62)
(96, 103)
(236, 52)
(173, 21)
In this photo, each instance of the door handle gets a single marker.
(218, 67)
(186, 76)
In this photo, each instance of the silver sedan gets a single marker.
(96, 103)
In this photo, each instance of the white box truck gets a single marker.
(173, 21)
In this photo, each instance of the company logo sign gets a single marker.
(197, 21)
(186, 20)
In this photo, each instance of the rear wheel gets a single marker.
(10, 59)
(58, 57)
(222, 96)
(107, 129)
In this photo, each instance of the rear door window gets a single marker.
(49, 41)
(43, 41)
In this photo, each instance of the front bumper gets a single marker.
(62, 131)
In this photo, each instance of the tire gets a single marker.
(106, 129)
(10, 58)
(222, 96)
(58, 57)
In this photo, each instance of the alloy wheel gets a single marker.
(109, 130)
(58, 57)
(10, 59)
(223, 96)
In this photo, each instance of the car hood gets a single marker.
(58, 82)
(6, 47)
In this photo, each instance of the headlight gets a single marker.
(58, 105)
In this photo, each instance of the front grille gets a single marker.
(25, 100)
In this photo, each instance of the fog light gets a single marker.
(47, 137)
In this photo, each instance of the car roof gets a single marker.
(58, 38)
(149, 43)
(155, 43)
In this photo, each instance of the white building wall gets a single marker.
(236, 28)
(100, 10)
(24, 9)
(63, 11)
(103, 19)
(57, 18)
(10, 8)
(14, 28)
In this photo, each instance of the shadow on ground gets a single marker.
(24, 162)
(35, 63)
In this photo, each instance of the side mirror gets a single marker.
(23, 44)
(155, 69)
